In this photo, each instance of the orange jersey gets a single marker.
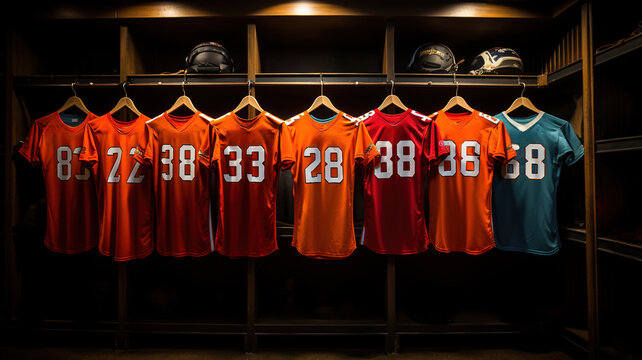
(249, 155)
(326, 152)
(181, 184)
(124, 187)
(460, 186)
(72, 217)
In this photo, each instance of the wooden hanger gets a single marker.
(457, 100)
(248, 100)
(392, 99)
(522, 101)
(125, 102)
(183, 100)
(322, 100)
(74, 101)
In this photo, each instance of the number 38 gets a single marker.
(535, 168)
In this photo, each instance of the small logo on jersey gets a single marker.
(83, 150)
(139, 151)
(368, 149)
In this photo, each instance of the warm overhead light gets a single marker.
(306, 8)
(303, 8)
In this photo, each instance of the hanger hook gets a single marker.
(392, 87)
(321, 77)
(125, 90)
(72, 88)
(456, 84)
(184, 80)
(523, 88)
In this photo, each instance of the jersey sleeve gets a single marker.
(365, 150)
(569, 148)
(30, 149)
(89, 152)
(499, 144)
(433, 145)
(209, 152)
(145, 148)
(286, 149)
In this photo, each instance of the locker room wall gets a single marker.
(432, 287)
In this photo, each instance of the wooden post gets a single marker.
(253, 67)
(392, 339)
(253, 61)
(122, 336)
(389, 52)
(250, 342)
(129, 64)
(589, 180)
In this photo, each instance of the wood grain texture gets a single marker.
(589, 181)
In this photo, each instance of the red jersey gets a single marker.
(72, 218)
(327, 152)
(124, 187)
(181, 184)
(250, 154)
(394, 221)
(460, 186)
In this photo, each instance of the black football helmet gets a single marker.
(433, 58)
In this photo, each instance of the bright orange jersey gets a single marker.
(72, 219)
(181, 184)
(250, 154)
(124, 187)
(460, 186)
(326, 152)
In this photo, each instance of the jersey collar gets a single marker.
(523, 126)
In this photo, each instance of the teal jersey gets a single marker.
(525, 190)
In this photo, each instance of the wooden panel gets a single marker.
(129, 60)
(389, 52)
(589, 180)
(253, 62)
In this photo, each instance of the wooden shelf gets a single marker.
(465, 323)
(619, 50)
(567, 71)
(180, 327)
(238, 79)
(279, 79)
(602, 57)
(613, 245)
(304, 326)
(618, 144)
(66, 80)
(402, 79)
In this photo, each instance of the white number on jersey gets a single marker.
(405, 164)
(114, 177)
(169, 150)
(329, 165)
(535, 168)
(186, 161)
(235, 163)
(511, 169)
(63, 167)
(467, 158)
(449, 162)
(448, 166)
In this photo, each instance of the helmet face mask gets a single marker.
(499, 61)
(432, 58)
